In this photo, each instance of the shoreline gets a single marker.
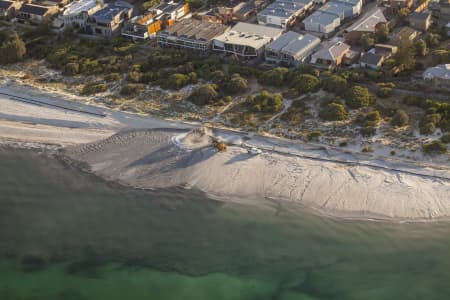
(283, 154)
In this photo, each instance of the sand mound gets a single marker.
(150, 159)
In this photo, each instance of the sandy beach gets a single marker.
(148, 152)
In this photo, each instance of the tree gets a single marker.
(334, 112)
(432, 40)
(381, 33)
(400, 118)
(273, 77)
(405, 55)
(358, 97)
(306, 83)
(336, 84)
(194, 3)
(13, 50)
(404, 12)
(148, 4)
(266, 102)
(435, 147)
(421, 47)
(367, 41)
(206, 94)
(235, 84)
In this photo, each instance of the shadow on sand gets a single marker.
(239, 158)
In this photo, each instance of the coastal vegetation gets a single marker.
(12, 48)
(357, 97)
(342, 103)
(334, 111)
(265, 102)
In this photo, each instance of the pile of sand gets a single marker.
(149, 159)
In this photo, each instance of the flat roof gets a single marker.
(168, 7)
(285, 8)
(336, 8)
(321, 17)
(283, 41)
(368, 21)
(350, 2)
(5, 4)
(78, 7)
(244, 8)
(34, 9)
(250, 35)
(108, 12)
(439, 71)
(302, 44)
(195, 29)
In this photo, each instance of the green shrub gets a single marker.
(235, 84)
(370, 119)
(71, 69)
(445, 138)
(131, 89)
(93, 88)
(384, 92)
(274, 77)
(334, 112)
(400, 118)
(427, 128)
(134, 76)
(314, 135)
(367, 149)
(336, 84)
(358, 97)
(205, 94)
(367, 131)
(435, 147)
(12, 49)
(265, 102)
(306, 83)
(113, 77)
(295, 113)
(178, 80)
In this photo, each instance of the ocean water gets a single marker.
(68, 235)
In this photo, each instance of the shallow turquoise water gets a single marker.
(67, 235)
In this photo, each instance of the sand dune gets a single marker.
(150, 159)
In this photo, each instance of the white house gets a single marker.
(246, 40)
(77, 12)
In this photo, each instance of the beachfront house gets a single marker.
(36, 14)
(8, 9)
(283, 13)
(291, 49)
(190, 34)
(77, 13)
(107, 21)
(322, 22)
(367, 24)
(246, 40)
(330, 55)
